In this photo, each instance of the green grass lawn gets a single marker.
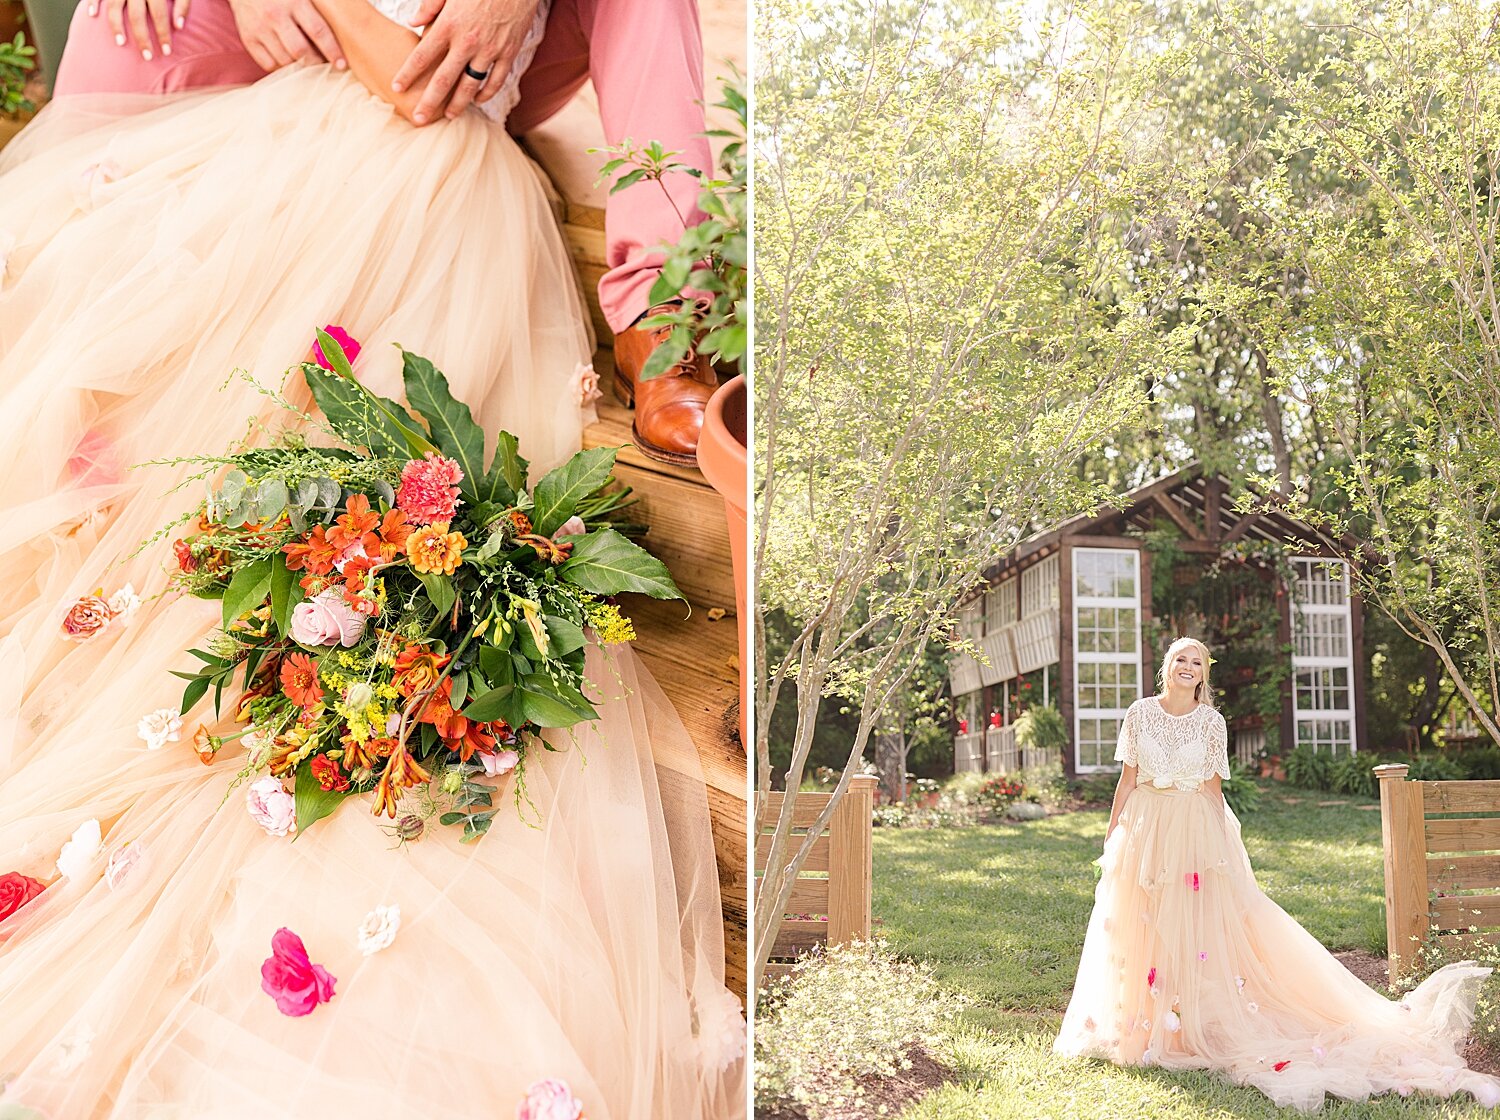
(999, 912)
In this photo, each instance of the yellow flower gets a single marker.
(610, 625)
(433, 549)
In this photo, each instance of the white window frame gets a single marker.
(1316, 566)
(1133, 658)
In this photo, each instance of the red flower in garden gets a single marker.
(329, 777)
(16, 890)
(299, 680)
(963, 727)
(994, 719)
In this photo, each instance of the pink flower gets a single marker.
(586, 385)
(499, 763)
(87, 619)
(572, 527)
(291, 979)
(550, 1100)
(326, 619)
(271, 806)
(1202, 955)
(1279, 1066)
(1151, 978)
(344, 339)
(429, 489)
(1190, 879)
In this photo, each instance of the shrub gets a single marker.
(842, 1015)
(1434, 767)
(963, 789)
(1046, 785)
(890, 816)
(1041, 728)
(1481, 764)
(1486, 1026)
(1096, 787)
(1240, 791)
(1308, 768)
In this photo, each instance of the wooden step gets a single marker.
(691, 650)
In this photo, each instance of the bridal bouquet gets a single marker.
(401, 613)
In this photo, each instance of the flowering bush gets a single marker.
(1485, 1028)
(402, 617)
(1000, 792)
(842, 1015)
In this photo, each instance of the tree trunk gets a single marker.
(890, 760)
(1270, 411)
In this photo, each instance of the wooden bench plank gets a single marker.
(798, 936)
(1465, 910)
(817, 859)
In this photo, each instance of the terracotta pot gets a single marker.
(723, 458)
(12, 20)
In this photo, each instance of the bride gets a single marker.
(575, 968)
(1187, 965)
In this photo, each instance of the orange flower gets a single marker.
(356, 581)
(393, 533)
(401, 772)
(417, 669)
(299, 680)
(433, 549)
(477, 737)
(355, 525)
(317, 553)
(361, 756)
(327, 774)
(205, 744)
(519, 521)
(282, 751)
(438, 711)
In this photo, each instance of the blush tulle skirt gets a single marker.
(150, 249)
(1188, 965)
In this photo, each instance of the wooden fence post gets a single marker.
(1404, 840)
(851, 864)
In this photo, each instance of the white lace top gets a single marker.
(499, 106)
(1173, 751)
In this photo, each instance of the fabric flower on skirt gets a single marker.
(290, 978)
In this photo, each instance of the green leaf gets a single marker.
(549, 704)
(507, 477)
(311, 801)
(502, 703)
(629, 179)
(247, 590)
(194, 692)
(440, 591)
(450, 421)
(497, 666)
(558, 494)
(460, 691)
(564, 636)
(606, 563)
(286, 593)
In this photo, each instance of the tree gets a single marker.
(1395, 353)
(957, 243)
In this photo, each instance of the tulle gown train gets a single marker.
(1188, 965)
(146, 256)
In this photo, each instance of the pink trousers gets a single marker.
(644, 58)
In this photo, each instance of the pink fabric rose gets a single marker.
(291, 979)
(572, 527)
(326, 619)
(87, 619)
(272, 806)
(429, 489)
(551, 1099)
(586, 385)
(497, 763)
(350, 347)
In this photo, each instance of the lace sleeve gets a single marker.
(1125, 749)
(1216, 760)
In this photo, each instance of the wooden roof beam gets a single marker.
(1174, 511)
(1241, 527)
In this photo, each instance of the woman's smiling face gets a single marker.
(1187, 669)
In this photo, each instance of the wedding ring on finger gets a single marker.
(478, 75)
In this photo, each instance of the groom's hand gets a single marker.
(280, 32)
(484, 35)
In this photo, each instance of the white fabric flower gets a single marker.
(78, 853)
(378, 929)
(160, 727)
(123, 865)
(721, 1029)
(1174, 1023)
(125, 602)
(74, 1049)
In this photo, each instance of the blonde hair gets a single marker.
(1204, 692)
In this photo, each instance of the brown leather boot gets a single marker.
(668, 408)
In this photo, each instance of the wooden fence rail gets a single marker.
(830, 902)
(1442, 863)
